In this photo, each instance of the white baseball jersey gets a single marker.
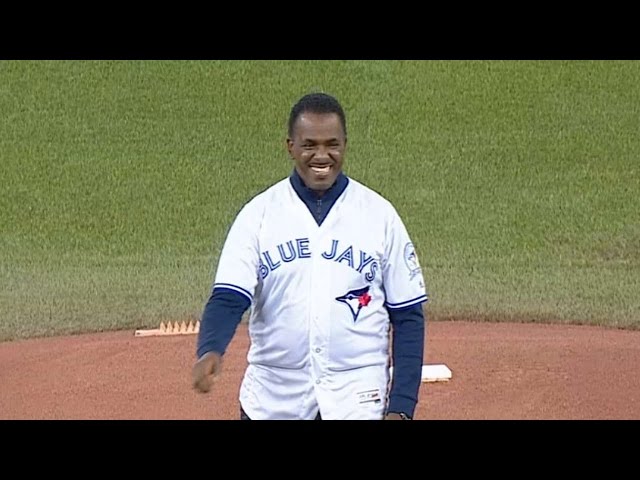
(319, 327)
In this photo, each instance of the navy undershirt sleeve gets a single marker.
(220, 319)
(407, 351)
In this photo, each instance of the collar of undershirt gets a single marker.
(312, 199)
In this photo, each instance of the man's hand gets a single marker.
(205, 370)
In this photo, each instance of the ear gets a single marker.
(290, 146)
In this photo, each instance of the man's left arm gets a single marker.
(408, 332)
(405, 295)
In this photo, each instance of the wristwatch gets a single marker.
(402, 415)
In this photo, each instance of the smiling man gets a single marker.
(328, 269)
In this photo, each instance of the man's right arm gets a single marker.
(220, 319)
(234, 284)
(231, 295)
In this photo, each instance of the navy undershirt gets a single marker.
(224, 309)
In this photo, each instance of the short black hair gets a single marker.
(317, 103)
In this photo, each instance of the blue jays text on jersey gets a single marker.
(300, 249)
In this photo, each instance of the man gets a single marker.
(329, 270)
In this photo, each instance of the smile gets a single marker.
(322, 170)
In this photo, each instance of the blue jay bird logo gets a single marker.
(355, 300)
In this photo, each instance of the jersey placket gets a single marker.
(318, 331)
(321, 320)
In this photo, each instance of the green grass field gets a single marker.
(519, 181)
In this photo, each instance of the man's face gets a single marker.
(317, 148)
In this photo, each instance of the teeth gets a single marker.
(324, 169)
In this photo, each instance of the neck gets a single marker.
(317, 193)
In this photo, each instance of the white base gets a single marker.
(433, 373)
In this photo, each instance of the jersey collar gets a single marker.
(309, 196)
(319, 206)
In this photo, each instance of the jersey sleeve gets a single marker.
(239, 261)
(402, 274)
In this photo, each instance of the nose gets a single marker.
(322, 152)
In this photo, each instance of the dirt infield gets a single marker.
(500, 371)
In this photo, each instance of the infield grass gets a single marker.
(519, 181)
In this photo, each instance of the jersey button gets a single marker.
(318, 350)
(318, 381)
